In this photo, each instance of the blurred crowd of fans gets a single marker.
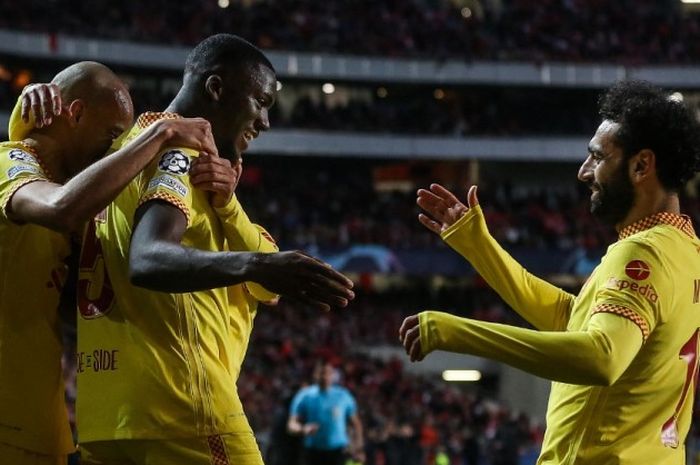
(335, 203)
(408, 419)
(531, 30)
(498, 112)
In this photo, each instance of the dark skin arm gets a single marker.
(158, 261)
(65, 208)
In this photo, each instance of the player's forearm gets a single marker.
(169, 267)
(242, 235)
(357, 438)
(91, 190)
(597, 356)
(545, 306)
(240, 232)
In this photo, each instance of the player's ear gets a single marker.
(214, 87)
(75, 112)
(642, 165)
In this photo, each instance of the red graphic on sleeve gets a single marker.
(637, 270)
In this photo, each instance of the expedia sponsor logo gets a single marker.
(169, 183)
(646, 291)
(637, 270)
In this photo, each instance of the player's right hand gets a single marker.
(43, 101)
(442, 208)
(193, 133)
(302, 279)
(309, 429)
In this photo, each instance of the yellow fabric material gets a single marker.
(16, 456)
(168, 362)
(597, 355)
(32, 271)
(545, 306)
(644, 415)
(17, 129)
(225, 449)
(242, 235)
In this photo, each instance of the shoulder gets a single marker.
(18, 166)
(175, 161)
(15, 155)
(343, 392)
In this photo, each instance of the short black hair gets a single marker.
(651, 118)
(223, 51)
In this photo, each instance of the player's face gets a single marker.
(605, 171)
(246, 111)
(99, 125)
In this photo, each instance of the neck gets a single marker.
(52, 154)
(184, 104)
(648, 205)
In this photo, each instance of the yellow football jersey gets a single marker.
(650, 280)
(154, 365)
(32, 271)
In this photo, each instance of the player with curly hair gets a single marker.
(622, 354)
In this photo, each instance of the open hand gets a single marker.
(442, 208)
(303, 279)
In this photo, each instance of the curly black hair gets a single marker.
(650, 118)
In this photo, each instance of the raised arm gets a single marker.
(158, 261)
(598, 355)
(464, 229)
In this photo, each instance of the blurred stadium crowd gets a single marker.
(333, 204)
(408, 419)
(578, 30)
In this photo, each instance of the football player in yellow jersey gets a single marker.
(623, 353)
(171, 279)
(51, 184)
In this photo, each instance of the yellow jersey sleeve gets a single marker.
(598, 355)
(17, 168)
(245, 236)
(545, 306)
(636, 287)
(167, 179)
(17, 129)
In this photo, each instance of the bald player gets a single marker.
(50, 185)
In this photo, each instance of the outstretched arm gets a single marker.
(464, 229)
(598, 355)
(158, 261)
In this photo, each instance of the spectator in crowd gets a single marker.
(626, 31)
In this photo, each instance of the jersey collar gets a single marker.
(681, 222)
(146, 119)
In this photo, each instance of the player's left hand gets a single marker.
(217, 176)
(409, 335)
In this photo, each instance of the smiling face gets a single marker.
(242, 112)
(605, 172)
